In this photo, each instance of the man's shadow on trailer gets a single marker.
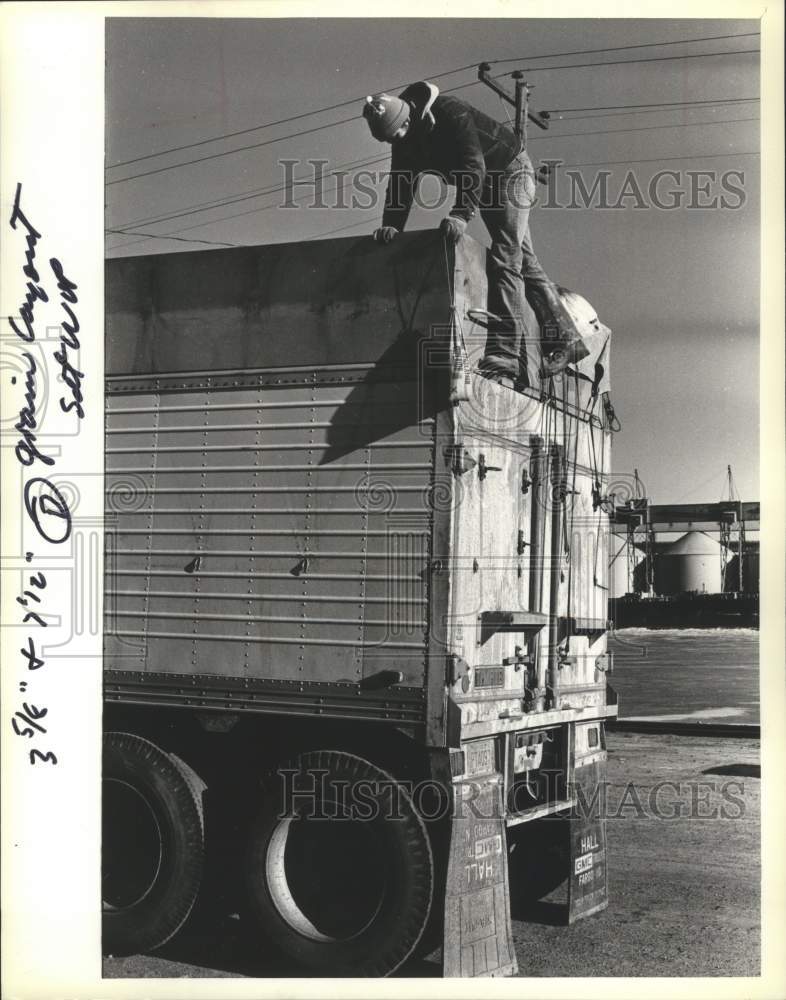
(408, 382)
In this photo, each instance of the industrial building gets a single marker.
(685, 564)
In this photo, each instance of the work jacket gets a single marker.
(451, 139)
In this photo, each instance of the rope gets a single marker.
(460, 381)
(613, 421)
(598, 486)
(573, 493)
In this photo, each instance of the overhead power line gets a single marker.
(361, 162)
(630, 62)
(661, 159)
(341, 229)
(248, 196)
(170, 236)
(568, 166)
(344, 121)
(643, 45)
(641, 128)
(318, 235)
(659, 104)
(437, 76)
(229, 152)
(341, 104)
(716, 106)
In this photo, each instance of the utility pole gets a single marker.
(519, 100)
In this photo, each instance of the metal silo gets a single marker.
(692, 563)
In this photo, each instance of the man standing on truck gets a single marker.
(486, 161)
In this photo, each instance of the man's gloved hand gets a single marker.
(544, 173)
(453, 228)
(385, 234)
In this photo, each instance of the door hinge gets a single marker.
(458, 670)
(458, 459)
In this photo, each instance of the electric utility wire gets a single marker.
(344, 121)
(206, 222)
(661, 159)
(709, 106)
(641, 128)
(565, 135)
(600, 163)
(329, 232)
(360, 163)
(569, 166)
(622, 48)
(230, 152)
(625, 62)
(437, 76)
(658, 104)
(190, 239)
(241, 196)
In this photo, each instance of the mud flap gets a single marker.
(588, 885)
(478, 940)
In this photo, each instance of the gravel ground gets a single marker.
(683, 891)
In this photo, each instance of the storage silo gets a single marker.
(691, 564)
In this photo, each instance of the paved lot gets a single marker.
(684, 891)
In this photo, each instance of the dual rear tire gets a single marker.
(340, 877)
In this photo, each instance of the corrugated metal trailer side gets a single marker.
(270, 524)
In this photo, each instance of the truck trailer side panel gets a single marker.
(271, 521)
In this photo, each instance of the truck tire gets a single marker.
(153, 844)
(342, 896)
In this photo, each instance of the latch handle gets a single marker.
(483, 469)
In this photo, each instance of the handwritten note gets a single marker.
(45, 507)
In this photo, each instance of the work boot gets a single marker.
(561, 342)
(500, 359)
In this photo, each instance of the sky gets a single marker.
(679, 287)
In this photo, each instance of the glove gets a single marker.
(544, 173)
(385, 234)
(453, 228)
